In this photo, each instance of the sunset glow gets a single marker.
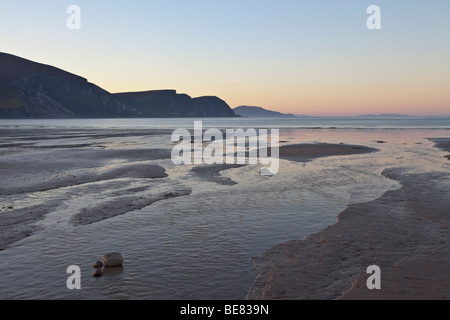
(301, 57)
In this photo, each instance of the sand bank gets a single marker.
(309, 152)
(211, 173)
(35, 162)
(42, 169)
(128, 200)
(405, 232)
(443, 144)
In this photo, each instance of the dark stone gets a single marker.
(114, 259)
(97, 273)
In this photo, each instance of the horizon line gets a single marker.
(239, 105)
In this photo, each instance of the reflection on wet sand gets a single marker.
(187, 231)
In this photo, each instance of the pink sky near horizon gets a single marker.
(321, 92)
(317, 93)
(301, 57)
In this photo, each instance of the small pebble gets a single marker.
(97, 273)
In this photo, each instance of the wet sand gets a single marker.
(36, 161)
(443, 144)
(405, 232)
(309, 152)
(211, 173)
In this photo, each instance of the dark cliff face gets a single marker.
(258, 112)
(13, 68)
(158, 103)
(212, 107)
(33, 90)
(167, 103)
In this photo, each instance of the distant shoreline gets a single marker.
(310, 123)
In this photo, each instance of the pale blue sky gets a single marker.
(312, 57)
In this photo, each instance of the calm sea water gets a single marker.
(289, 123)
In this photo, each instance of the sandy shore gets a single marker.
(38, 162)
(443, 144)
(405, 232)
(309, 152)
(211, 173)
(77, 161)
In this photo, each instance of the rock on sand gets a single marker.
(97, 273)
(114, 259)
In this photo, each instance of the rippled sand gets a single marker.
(405, 232)
(186, 232)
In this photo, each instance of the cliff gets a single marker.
(34, 90)
(258, 112)
(168, 103)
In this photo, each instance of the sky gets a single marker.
(303, 57)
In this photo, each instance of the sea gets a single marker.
(271, 123)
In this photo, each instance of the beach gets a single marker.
(443, 144)
(405, 232)
(225, 151)
(198, 232)
(51, 166)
